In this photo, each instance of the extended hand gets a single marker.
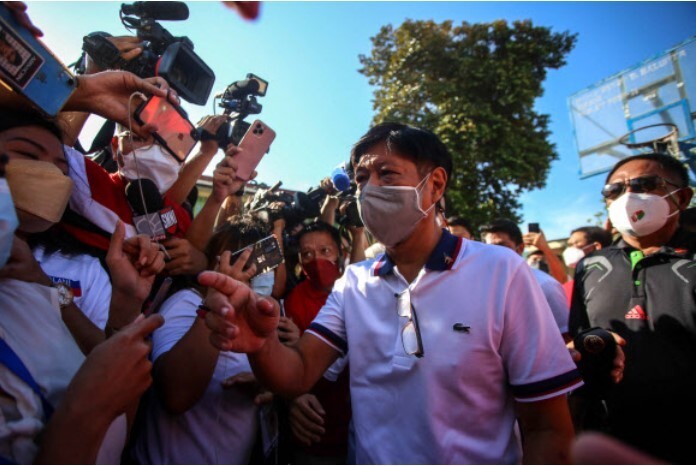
(108, 94)
(185, 258)
(239, 320)
(288, 332)
(247, 382)
(307, 419)
(225, 181)
(133, 263)
(117, 372)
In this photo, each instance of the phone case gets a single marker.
(174, 131)
(265, 254)
(29, 68)
(255, 143)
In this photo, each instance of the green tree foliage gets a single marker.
(473, 85)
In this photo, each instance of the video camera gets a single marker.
(301, 206)
(238, 98)
(163, 54)
(296, 208)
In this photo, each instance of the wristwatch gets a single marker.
(65, 294)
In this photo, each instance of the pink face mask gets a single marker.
(391, 213)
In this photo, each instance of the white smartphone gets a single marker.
(254, 144)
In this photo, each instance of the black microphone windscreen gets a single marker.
(165, 11)
(150, 194)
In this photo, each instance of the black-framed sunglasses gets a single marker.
(641, 184)
(410, 333)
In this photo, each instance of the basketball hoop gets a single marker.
(661, 138)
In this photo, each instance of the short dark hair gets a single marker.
(667, 162)
(318, 227)
(421, 146)
(238, 232)
(10, 119)
(457, 221)
(595, 234)
(504, 225)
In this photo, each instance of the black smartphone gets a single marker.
(533, 228)
(265, 254)
(174, 131)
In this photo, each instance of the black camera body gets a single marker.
(598, 349)
(239, 98)
(163, 54)
(297, 207)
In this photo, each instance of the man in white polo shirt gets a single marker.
(449, 341)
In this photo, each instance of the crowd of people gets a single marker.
(409, 337)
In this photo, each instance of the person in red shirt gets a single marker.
(318, 419)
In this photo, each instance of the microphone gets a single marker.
(165, 11)
(150, 217)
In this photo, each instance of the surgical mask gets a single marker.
(154, 163)
(8, 222)
(640, 214)
(262, 284)
(39, 188)
(391, 213)
(540, 265)
(322, 273)
(572, 255)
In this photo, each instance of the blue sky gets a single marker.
(320, 105)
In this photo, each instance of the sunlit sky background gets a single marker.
(320, 105)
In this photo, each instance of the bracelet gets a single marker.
(202, 311)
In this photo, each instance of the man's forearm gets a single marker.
(291, 370)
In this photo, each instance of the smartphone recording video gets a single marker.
(174, 131)
(265, 254)
(254, 145)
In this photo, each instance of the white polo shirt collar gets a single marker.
(442, 258)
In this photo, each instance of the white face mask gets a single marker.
(153, 163)
(8, 222)
(640, 214)
(391, 213)
(262, 284)
(573, 255)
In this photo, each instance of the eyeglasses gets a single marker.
(642, 184)
(410, 333)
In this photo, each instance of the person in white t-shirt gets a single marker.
(506, 233)
(449, 341)
(205, 406)
(49, 390)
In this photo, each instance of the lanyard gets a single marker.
(10, 359)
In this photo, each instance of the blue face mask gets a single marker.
(262, 284)
(8, 222)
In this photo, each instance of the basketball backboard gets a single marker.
(658, 90)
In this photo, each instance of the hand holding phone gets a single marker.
(265, 254)
(254, 145)
(174, 131)
(533, 228)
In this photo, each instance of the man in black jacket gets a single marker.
(642, 288)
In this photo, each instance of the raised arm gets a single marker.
(243, 322)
